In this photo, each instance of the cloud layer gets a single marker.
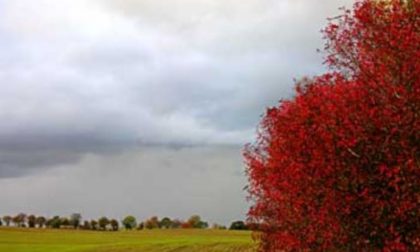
(105, 78)
(143, 182)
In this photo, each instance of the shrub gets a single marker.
(337, 167)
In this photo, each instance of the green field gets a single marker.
(181, 240)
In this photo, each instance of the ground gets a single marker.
(182, 240)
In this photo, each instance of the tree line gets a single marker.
(75, 221)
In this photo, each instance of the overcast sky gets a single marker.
(142, 107)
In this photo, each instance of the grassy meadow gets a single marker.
(179, 240)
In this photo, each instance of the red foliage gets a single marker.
(337, 168)
(186, 225)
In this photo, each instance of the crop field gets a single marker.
(180, 240)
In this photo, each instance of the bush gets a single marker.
(238, 225)
(337, 167)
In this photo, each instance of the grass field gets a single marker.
(46, 240)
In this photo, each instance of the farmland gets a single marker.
(180, 240)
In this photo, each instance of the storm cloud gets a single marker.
(157, 88)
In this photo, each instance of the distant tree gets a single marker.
(166, 223)
(75, 220)
(176, 223)
(22, 217)
(114, 225)
(40, 221)
(7, 219)
(86, 225)
(54, 222)
(94, 224)
(203, 225)
(129, 222)
(238, 225)
(31, 221)
(148, 224)
(19, 220)
(48, 223)
(140, 226)
(186, 225)
(196, 222)
(64, 221)
(152, 223)
(103, 222)
(1, 223)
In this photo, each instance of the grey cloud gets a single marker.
(143, 182)
(85, 84)
(93, 75)
(15, 163)
(26, 153)
(205, 60)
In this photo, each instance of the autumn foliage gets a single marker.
(337, 168)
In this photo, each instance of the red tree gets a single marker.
(337, 168)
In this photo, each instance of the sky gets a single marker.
(142, 107)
